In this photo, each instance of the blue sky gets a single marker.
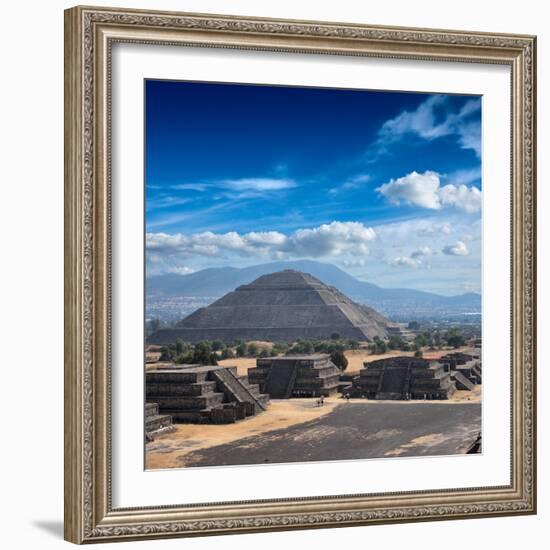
(385, 185)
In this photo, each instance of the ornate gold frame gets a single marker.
(89, 34)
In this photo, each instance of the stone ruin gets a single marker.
(465, 368)
(155, 423)
(279, 307)
(403, 378)
(203, 394)
(296, 376)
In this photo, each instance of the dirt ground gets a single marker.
(181, 447)
(242, 364)
(169, 450)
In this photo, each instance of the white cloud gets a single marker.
(180, 270)
(241, 185)
(330, 239)
(433, 119)
(421, 252)
(258, 184)
(466, 198)
(434, 228)
(354, 262)
(414, 259)
(266, 238)
(406, 261)
(353, 183)
(414, 188)
(464, 176)
(457, 249)
(420, 122)
(425, 190)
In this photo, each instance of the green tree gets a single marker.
(339, 359)
(335, 336)
(418, 353)
(166, 354)
(227, 353)
(353, 344)
(395, 343)
(179, 345)
(413, 325)
(217, 345)
(252, 350)
(241, 349)
(455, 338)
(202, 353)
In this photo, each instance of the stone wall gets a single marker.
(305, 376)
(203, 394)
(403, 378)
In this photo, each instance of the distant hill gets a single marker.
(398, 303)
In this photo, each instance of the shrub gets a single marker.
(227, 353)
(241, 350)
(339, 359)
(217, 345)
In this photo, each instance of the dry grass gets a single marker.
(242, 364)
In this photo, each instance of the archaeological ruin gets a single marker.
(203, 394)
(155, 423)
(296, 376)
(282, 306)
(465, 368)
(403, 378)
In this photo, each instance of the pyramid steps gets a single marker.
(235, 389)
(296, 376)
(202, 394)
(282, 306)
(403, 378)
(462, 383)
(156, 423)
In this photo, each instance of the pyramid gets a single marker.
(282, 306)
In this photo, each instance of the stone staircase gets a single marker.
(155, 423)
(296, 376)
(403, 378)
(280, 380)
(476, 370)
(237, 390)
(203, 394)
(461, 382)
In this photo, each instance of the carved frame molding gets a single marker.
(89, 35)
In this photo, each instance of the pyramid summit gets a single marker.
(284, 306)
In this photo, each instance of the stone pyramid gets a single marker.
(282, 306)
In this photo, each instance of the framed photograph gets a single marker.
(300, 274)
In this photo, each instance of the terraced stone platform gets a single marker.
(204, 394)
(403, 378)
(282, 306)
(155, 423)
(296, 376)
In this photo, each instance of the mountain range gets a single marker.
(397, 303)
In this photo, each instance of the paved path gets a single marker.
(354, 431)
